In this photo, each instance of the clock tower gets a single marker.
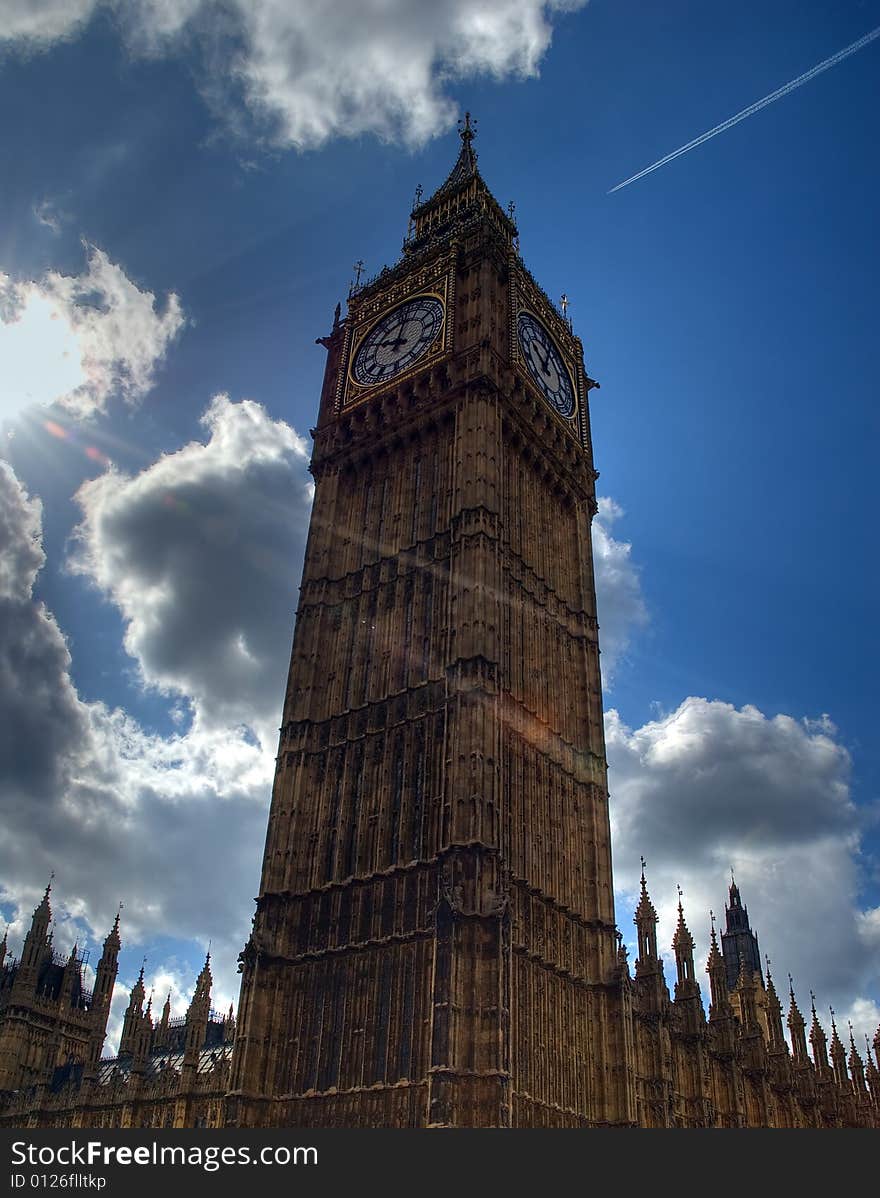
(434, 942)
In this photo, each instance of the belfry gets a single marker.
(434, 942)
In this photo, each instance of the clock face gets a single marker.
(545, 364)
(398, 340)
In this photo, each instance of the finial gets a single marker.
(852, 1042)
(712, 918)
(644, 863)
(511, 208)
(791, 987)
(467, 129)
(767, 962)
(419, 193)
(563, 303)
(833, 1024)
(813, 1003)
(358, 269)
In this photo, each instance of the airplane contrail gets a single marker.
(756, 107)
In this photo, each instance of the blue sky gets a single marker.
(188, 195)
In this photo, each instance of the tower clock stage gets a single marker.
(434, 942)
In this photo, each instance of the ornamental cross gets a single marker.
(563, 303)
(358, 269)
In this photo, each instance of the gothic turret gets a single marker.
(838, 1055)
(683, 947)
(162, 1036)
(775, 1033)
(738, 942)
(133, 1018)
(856, 1068)
(197, 1015)
(797, 1027)
(71, 982)
(872, 1075)
(37, 943)
(818, 1040)
(645, 920)
(102, 994)
(719, 1007)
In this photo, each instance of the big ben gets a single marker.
(434, 942)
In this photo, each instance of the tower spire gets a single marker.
(838, 1053)
(645, 920)
(776, 1036)
(683, 947)
(797, 1027)
(818, 1039)
(461, 198)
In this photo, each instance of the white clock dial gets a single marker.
(545, 364)
(398, 340)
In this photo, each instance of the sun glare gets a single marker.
(40, 357)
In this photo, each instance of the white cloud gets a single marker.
(711, 786)
(171, 825)
(380, 66)
(201, 554)
(41, 22)
(621, 607)
(310, 70)
(78, 340)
